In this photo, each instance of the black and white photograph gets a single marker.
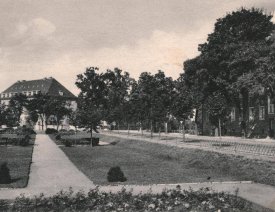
(137, 105)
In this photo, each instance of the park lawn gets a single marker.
(149, 163)
(18, 160)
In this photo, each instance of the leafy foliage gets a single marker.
(92, 99)
(116, 175)
(169, 200)
(5, 177)
(237, 60)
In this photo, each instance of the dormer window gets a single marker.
(61, 93)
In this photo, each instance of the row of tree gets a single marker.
(41, 107)
(116, 98)
(236, 63)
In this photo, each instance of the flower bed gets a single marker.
(19, 137)
(170, 200)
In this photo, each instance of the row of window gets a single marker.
(251, 112)
(27, 93)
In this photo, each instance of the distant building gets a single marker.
(260, 123)
(47, 86)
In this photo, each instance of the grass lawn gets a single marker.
(19, 160)
(149, 163)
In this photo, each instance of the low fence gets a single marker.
(215, 143)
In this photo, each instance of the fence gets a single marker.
(215, 144)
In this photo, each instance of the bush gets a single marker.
(5, 177)
(116, 175)
(68, 143)
(58, 137)
(25, 141)
(95, 141)
(169, 200)
(50, 131)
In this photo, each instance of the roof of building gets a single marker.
(49, 86)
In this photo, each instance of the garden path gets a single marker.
(51, 171)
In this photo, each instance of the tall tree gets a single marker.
(118, 88)
(92, 101)
(15, 108)
(3, 115)
(38, 108)
(183, 102)
(237, 60)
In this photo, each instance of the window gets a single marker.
(61, 93)
(251, 113)
(233, 114)
(270, 106)
(3, 95)
(30, 93)
(261, 113)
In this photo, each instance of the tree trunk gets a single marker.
(245, 99)
(166, 127)
(91, 129)
(183, 131)
(128, 129)
(151, 129)
(220, 130)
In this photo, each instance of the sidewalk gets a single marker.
(51, 171)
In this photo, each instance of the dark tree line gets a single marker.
(235, 64)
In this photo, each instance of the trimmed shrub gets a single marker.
(25, 141)
(68, 143)
(169, 200)
(95, 141)
(116, 175)
(50, 131)
(58, 137)
(5, 177)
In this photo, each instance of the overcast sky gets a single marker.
(60, 38)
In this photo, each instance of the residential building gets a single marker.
(47, 86)
(260, 120)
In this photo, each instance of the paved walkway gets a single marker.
(51, 171)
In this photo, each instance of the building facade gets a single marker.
(260, 120)
(46, 86)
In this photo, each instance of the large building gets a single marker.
(260, 120)
(47, 86)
